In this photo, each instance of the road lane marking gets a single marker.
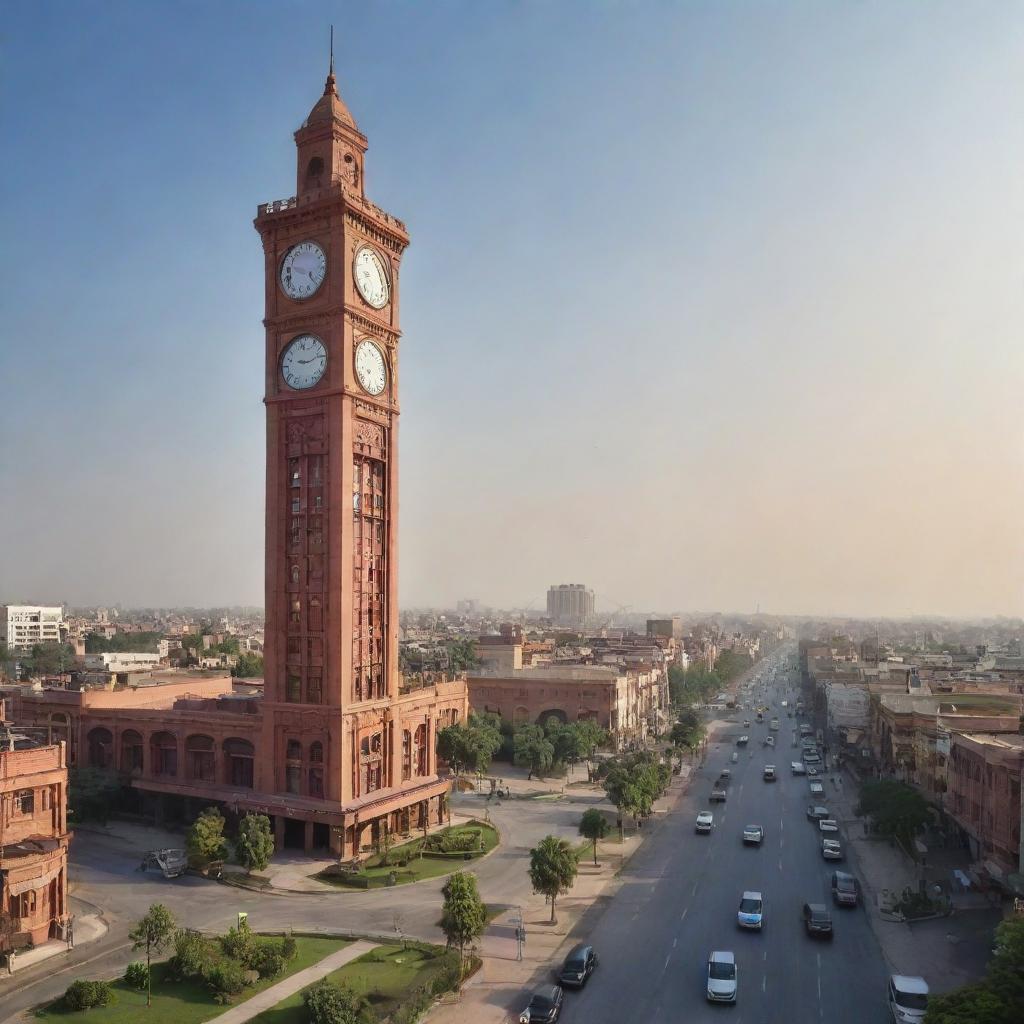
(682, 916)
(780, 863)
(819, 981)
(766, 954)
(674, 941)
(693, 892)
(764, 983)
(665, 968)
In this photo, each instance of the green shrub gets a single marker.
(84, 995)
(327, 1003)
(191, 955)
(289, 948)
(137, 975)
(267, 960)
(239, 943)
(225, 979)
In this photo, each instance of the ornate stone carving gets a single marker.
(305, 428)
(368, 433)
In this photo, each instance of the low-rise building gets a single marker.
(34, 836)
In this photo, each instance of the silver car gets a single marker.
(722, 977)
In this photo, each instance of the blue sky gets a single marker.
(708, 305)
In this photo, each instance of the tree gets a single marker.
(461, 654)
(205, 839)
(249, 666)
(553, 867)
(255, 844)
(327, 1003)
(594, 826)
(464, 916)
(533, 750)
(470, 747)
(688, 732)
(91, 793)
(896, 809)
(153, 933)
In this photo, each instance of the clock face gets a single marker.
(371, 278)
(303, 270)
(371, 368)
(304, 362)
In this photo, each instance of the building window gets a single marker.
(164, 754)
(131, 751)
(24, 802)
(316, 615)
(293, 689)
(200, 758)
(316, 782)
(314, 690)
(296, 505)
(239, 763)
(294, 472)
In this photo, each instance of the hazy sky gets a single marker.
(708, 305)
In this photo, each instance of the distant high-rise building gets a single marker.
(570, 604)
(23, 625)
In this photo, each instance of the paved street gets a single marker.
(679, 901)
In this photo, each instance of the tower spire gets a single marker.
(330, 86)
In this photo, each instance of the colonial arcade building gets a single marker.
(339, 746)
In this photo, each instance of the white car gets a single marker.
(753, 834)
(828, 825)
(908, 999)
(817, 789)
(705, 821)
(831, 850)
(751, 911)
(722, 977)
(797, 768)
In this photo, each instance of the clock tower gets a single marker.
(335, 739)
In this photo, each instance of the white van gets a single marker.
(908, 999)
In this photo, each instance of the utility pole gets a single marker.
(520, 933)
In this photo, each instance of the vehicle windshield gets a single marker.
(753, 828)
(721, 972)
(541, 1002)
(750, 906)
(911, 1000)
(575, 965)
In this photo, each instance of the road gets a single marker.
(679, 901)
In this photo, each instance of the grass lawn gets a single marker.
(185, 1002)
(386, 976)
(417, 867)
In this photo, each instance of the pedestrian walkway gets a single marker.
(88, 928)
(270, 997)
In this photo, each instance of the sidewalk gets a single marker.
(270, 997)
(948, 951)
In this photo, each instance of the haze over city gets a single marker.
(709, 310)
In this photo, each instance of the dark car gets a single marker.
(545, 1006)
(578, 967)
(845, 890)
(818, 920)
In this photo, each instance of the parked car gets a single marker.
(845, 890)
(828, 825)
(544, 1007)
(769, 741)
(908, 999)
(811, 770)
(831, 849)
(818, 920)
(742, 741)
(769, 773)
(722, 977)
(705, 821)
(753, 834)
(816, 813)
(734, 757)
(816, 789)
(797, 768)
(751, 911)
(578, 967)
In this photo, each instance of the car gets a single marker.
(845, 890)
(578, 967)
(908, 998)
(742, 741)
(816, 813)
(722, 977)
(769, 773)
(769, 741)
(734, 757)
(751, 911)
(705, 821)
(828, 825)
(816, 789)
(818, 920)
(811, 758)
(746, 723)
(831, 849)
(797, 768)
(811, 770)
(544, 1007)
(717, 794)
(753, 834)
(725, 773)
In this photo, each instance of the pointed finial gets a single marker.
(330, 86)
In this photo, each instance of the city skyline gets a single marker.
(769, 366)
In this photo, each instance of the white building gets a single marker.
(121, 661)
(22, 625)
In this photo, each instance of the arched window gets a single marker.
(314, 172)
(58, 727)
(131, 752)
(101, 748)
(201, 758)
(406, 755)
(293, 767)
(238, 770)
(419, 743)
(163, 754)
(316, 769)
